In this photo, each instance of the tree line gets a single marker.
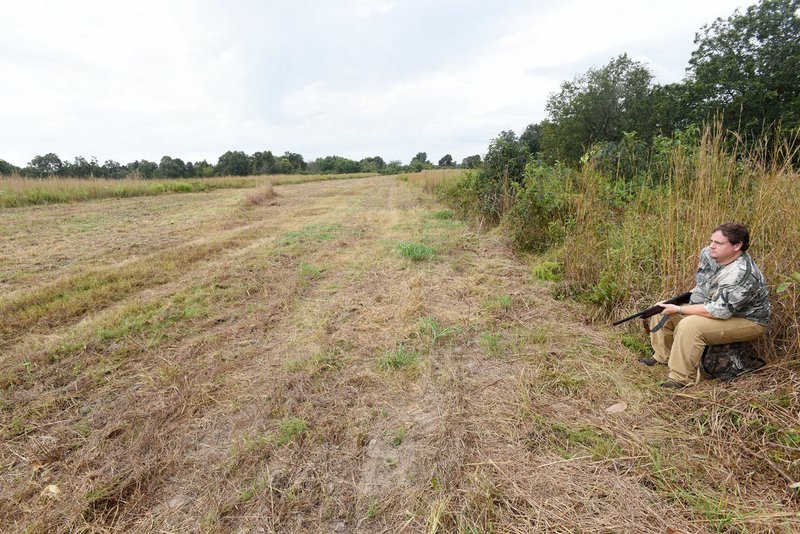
(231, 163)
(744, 74)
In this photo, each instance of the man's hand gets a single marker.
(669, 309)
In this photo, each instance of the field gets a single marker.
(346, 356)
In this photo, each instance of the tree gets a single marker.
(748, 67)
(599, 105)
(419, 162)
(142, 169)
(203, 169)
(532, 138)
(48, 165)
(233, 163)
(446, 161)
(7, 169)
(284, 166)
(373, 164)
(296, 160)
(171, 168)
(421, 157)
(82, 168)
(505, 158)
(471, 162)
(263, 163)
(112, 169)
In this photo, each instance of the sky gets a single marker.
(126, 81)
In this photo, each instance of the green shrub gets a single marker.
(547, 271)
(543, 211)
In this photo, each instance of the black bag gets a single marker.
(726, 362)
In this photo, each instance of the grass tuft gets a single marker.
(289, 431)
(400, 358)
(415, 251)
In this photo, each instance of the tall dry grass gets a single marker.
(625, 253)
(430, 180)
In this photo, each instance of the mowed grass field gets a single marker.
(342, 357)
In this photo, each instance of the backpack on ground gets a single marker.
(726, 362)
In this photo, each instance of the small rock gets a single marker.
(617, 408)
(178, 501)
(51, 491)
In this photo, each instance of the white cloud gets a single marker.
(140, 80)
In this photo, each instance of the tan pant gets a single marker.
(681, 341)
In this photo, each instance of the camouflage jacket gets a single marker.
(734, 290)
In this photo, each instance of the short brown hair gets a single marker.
(735, 233)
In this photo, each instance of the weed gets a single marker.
(289, 430)
(563, 382)
(568, 439)
(547, 271)
(308, 270)
(329, 360)
(399, 436)
(313, 232)
(295, 365)
(490, 343)
(443, 215)
(252, 490)
(497, 303)
(437, 332)
(637, 345)
(721, 515)
(255, 442)
(391, 462)
(400, 358)
(373, 509)
(415, 251)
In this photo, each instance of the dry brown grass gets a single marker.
(16, 191)
(260, 196)
(243, 391)
(429, 180)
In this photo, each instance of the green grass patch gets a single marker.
(720, 514)
(637, 344)
(290, 430)
(313, 232)
(495, 303)
(490, 343)
(308, 270)
(571, 440)
(400, 358)
(415, 251)
(399, 436)
(430, 328)
(443, 215)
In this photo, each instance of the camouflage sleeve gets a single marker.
(728, 300)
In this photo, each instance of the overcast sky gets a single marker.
(354, 78)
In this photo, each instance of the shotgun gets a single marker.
(683, 298)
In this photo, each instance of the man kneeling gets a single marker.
(729, 303)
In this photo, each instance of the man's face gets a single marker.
(721, 250)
